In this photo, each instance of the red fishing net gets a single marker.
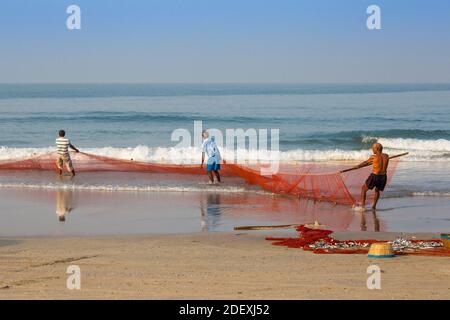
(319, 241)
(318, 181)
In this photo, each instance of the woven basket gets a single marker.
(446, 240)
(381, 250)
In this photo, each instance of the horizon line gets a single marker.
(228, 83)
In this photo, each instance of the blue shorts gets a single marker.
(213, 167)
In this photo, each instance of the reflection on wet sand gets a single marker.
(32, 212)
(281, 210)
(64, 203)
(376, 221)
(210, 211)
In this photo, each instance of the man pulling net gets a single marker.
(377, 179)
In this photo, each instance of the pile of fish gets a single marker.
(399, 244)
(321, 244)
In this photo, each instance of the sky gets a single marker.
(217, 41)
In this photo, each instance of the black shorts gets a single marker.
(376, 181)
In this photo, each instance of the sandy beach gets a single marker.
(208, 266)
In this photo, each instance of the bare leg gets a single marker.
(71, 169)
(375, 200)
(210, 176)
(59, 167)
(217, 175)
(364, 190)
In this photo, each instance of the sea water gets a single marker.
(317, 122)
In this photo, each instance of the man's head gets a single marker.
(205, 134)
(62, 133)
(377, 147)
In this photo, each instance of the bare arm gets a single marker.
(364, 164)
(203, 159)
(73, 147)
(361, 165)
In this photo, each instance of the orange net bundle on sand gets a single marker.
(319, 241)
(317, 181)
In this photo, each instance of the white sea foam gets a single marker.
(161, 188)
(438, 145)
(128, 188)
(420, 150)
(431, 194)
(7, 153)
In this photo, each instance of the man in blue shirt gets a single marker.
(209, 147)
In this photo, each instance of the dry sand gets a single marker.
(207, 266)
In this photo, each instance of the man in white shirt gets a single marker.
(62, 145)
(209, 147)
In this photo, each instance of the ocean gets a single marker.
(317, 122)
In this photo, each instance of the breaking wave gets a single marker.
(438, 145)
(420, 150)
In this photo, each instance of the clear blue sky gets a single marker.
(225, 41)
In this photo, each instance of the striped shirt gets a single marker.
(62, 146)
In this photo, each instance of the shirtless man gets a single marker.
(378, 177)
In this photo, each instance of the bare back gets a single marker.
(380, 163)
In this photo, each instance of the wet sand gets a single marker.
(37, 213)
(208, 266)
